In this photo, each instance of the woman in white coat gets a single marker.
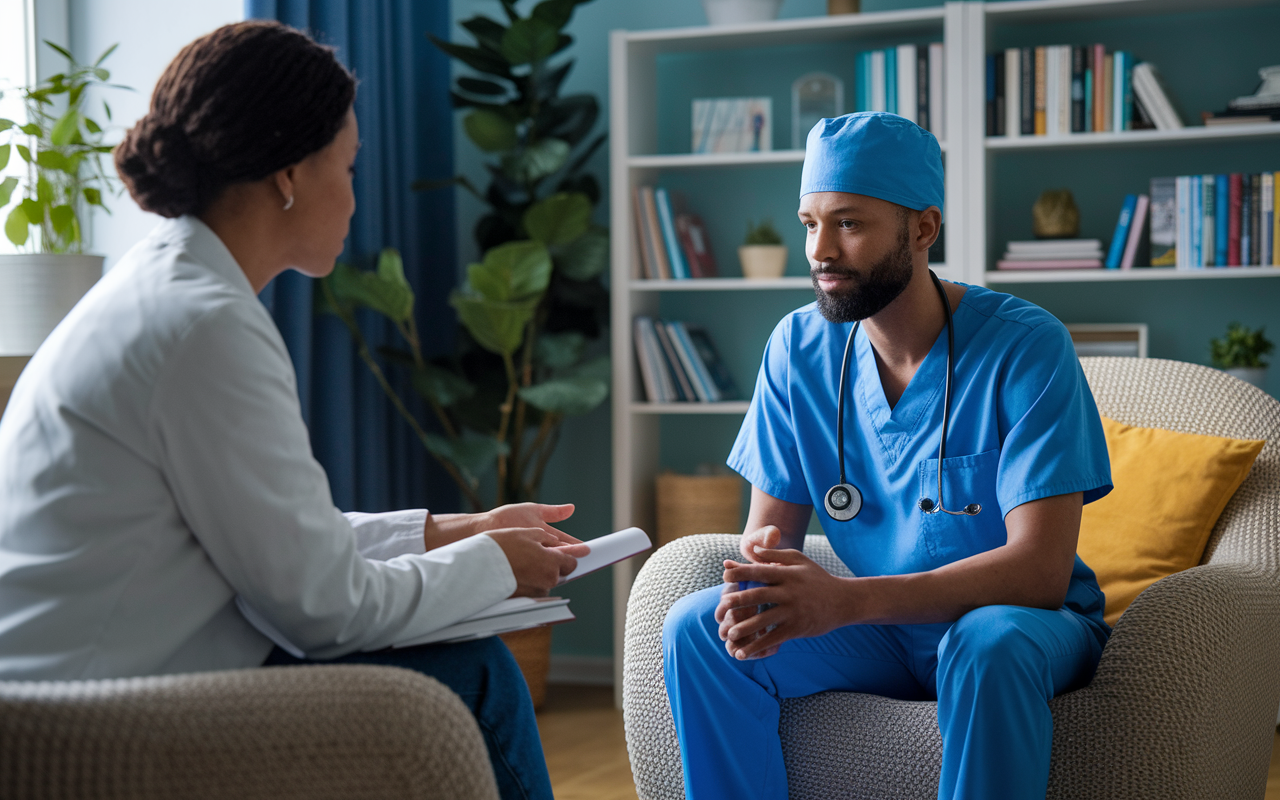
(156, 475)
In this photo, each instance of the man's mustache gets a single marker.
(832, 272)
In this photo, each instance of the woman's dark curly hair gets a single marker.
(235, 105)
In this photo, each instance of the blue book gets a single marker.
(1196, 207)
(1126, 88)
(891, 80)
(1121, 236)
(862, 101)
(1221, 229)
(698, 375)
(667, 221)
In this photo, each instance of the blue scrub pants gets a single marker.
(992, 672)
(485, 675)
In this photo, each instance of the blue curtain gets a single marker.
(402, 104)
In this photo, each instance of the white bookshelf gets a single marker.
(965, 28)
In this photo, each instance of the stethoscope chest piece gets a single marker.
(843, 502)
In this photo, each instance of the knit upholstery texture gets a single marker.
(1184, 700)
(286, 732)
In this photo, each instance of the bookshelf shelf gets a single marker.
(1190, 135)
(690, 408)
(723, 284)
(1038, 11)
(1138, 274)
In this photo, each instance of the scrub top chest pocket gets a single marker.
(965, 479)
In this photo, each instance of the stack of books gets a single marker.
(1053, 254)
(670, 245)
(1261, 107)
(905, 80)
(679, 363)
(1058, 90)
(1225, 220)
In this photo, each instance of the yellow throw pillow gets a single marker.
(1170, 489)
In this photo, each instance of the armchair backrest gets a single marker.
(1176, 396)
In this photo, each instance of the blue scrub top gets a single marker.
(1023, 426)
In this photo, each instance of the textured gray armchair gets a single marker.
(314, 732)
(1183, 703)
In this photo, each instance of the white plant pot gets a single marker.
(1255, 375)
(763, 260)
(737, 12)
(36, 292)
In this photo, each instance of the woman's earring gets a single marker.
(289, 204)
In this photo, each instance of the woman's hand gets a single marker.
(538, 559)
(805, 601)
(443, 529)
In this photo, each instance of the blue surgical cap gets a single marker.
(875, 154)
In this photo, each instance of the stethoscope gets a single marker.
(844, 501)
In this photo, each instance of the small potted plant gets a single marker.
(762, 253)
(1240, 353)
(63, 148)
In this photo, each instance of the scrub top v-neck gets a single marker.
(1023, 426)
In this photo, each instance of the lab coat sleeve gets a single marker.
(237, 455)
(1051, 434)
(765, 452)
(382, 537)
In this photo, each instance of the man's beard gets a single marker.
(875, 288)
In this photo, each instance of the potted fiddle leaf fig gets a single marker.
(62, 147)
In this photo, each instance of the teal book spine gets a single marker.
(1121, 235)
(1221, 228)
(891, 80)
(666, 220)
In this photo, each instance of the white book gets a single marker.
(878, 99)
(1182, 247)
(666, 381)
(1064, 89)
(1012, 93)
(937, 91)
(648, 373)
(1146, 84)
(1051, 88)
(907, 81)
(1035, 246)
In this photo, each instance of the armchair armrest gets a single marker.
(285, 732)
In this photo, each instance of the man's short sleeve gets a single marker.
(1052, 435)
(765, 452)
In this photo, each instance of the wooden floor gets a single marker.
(587, 753)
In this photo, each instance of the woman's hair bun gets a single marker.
(157, 165)
(235, 105)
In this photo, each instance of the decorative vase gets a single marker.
(36, 292)
(844, 6)
(1254, 375)
(763, 260)
(737, 12)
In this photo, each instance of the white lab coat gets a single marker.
(154, 465)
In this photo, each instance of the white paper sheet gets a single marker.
(610, 549)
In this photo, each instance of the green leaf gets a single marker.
(106, 53)
(491, 132)
(560, 350)
(4, 158)
(385, 291)
(65, 53)
(598, 368)
(555, 12)
(5, 124)
(478, 86)
(558, 219)
(92, 126)
(24, 153)
(488, 33)
(32, 129)
(528, 41)
(62, 218)
(6, 190)
(472, 453)
(536, 161)
(44, 191)
(568, 396)
(92, 196)
(496, 326)
(101, 74)
(585, 257)
(511, 271)
(441, 385)
(65, 129)
(15, 227)
(33, 211)
(475, 57)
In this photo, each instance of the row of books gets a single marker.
(1223, 220)
(1058, 90)
(671, 244)
(679, 363)
(906, 80)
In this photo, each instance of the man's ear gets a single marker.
(926, 225)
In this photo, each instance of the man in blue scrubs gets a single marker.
(991, 614)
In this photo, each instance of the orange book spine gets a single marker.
(1041, 124)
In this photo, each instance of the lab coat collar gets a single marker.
(204, 247)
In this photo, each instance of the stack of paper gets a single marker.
(1053, 254)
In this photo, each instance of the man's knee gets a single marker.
(990, 641)
(691, 621)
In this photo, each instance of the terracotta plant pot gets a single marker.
(763, 260)
(36, 292)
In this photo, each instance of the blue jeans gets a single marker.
(485, 675)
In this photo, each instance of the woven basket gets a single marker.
(689, 504)
(532, 649)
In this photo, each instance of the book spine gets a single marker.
(1040, 128)
(1012, 93)
(702, 384)
(679, 270)
(1051, 83)
(1136, 227)
(1001, 99)
(877, 81)
(1246, 218)
(1208, 194)
(1121, 235)
(937, 91)
(891, 80)
(1077, 89)
(648, 378)
(1267, 198)
(1221, 219)
(1255, 221)
(1164, 222)
(1088, 89)
(1099, 58)
(1197, 222)
(907, 81)
(922, 88)
(1108, 90)
(680, 380)
(1126, 102)
(991, 95)
(1234, 185)
(1183, 247)
(1117, 91)
(1064, 89)
(1027, 91)
(642, 235)
(687, 248)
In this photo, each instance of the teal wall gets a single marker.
(1206, 59)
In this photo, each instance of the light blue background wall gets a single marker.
(1206, 58)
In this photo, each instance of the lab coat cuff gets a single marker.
(381, 537)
